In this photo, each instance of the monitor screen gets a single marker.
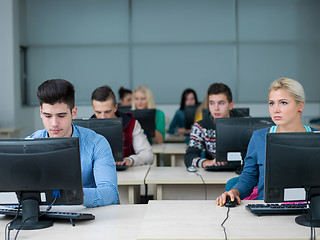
(110, 128)
(233, 136)
(42, 171)
(147, 119)
(292, 170)
(189, 113)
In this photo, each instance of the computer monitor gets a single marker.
(189, 113)
(110, 128)
(124, 108)
(233, 136)
(235, 112)
(292, 171)
(147, 119)
(42, 171)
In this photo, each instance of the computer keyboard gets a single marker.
(278, 208)
(53, 215)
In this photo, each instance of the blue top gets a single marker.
(99, 176)
(253, 171)
(178, 121)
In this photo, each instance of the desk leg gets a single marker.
(173, 160)
(159, 192)
(155, 160)
(133, 194)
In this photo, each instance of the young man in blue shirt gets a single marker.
(57, 109)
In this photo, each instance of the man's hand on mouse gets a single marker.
(233, 194)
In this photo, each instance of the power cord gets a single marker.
(7, 237)
(24, 221)
(224, 229)
(204, 185)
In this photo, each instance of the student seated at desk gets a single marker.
(286, 103)
(136, 148)
(177, 125)
(202, 134)
(57, 110)
(125, 97)
(143, 99)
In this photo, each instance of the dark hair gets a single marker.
(218, 88)
(123, 92)
(184, 97)
(103, 94)
(56, 91)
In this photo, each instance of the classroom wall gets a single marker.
(173, 44)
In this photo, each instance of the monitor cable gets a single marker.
(224, 229)
(7, 237)
(39, 215)
(7, 230)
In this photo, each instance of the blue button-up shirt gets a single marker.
(99, 176)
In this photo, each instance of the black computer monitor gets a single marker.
(147, 119)
(189, 113)
(110, 128)
(233, 135)
(41, 171)
(292, 171)
(235, 112)
(124, 108)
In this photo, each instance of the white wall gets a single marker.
(13, 114)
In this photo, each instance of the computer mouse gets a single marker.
(230, 203)
(191, 169)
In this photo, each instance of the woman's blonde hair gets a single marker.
(293, 87)
(146, 90)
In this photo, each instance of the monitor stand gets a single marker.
(312, 219)
(30, 214)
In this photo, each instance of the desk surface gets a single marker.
(168, 220)
(169, 148)
(202, 219)
(112, 222)
(180, 175)
(175, 148)
(133, 175)
(171, 138)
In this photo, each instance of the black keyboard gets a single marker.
(228, 167)
(53, 215)
(279, 208)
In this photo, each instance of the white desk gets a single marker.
(121, 222)
(157, 150)
(171, 138)
(178, 183)
(172, 149)
(201, 220)
(175, 149)
(168, 220)
(129, 182)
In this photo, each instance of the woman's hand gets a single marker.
(233, 194)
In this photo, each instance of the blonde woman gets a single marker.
(143, 99)
(286, 102)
